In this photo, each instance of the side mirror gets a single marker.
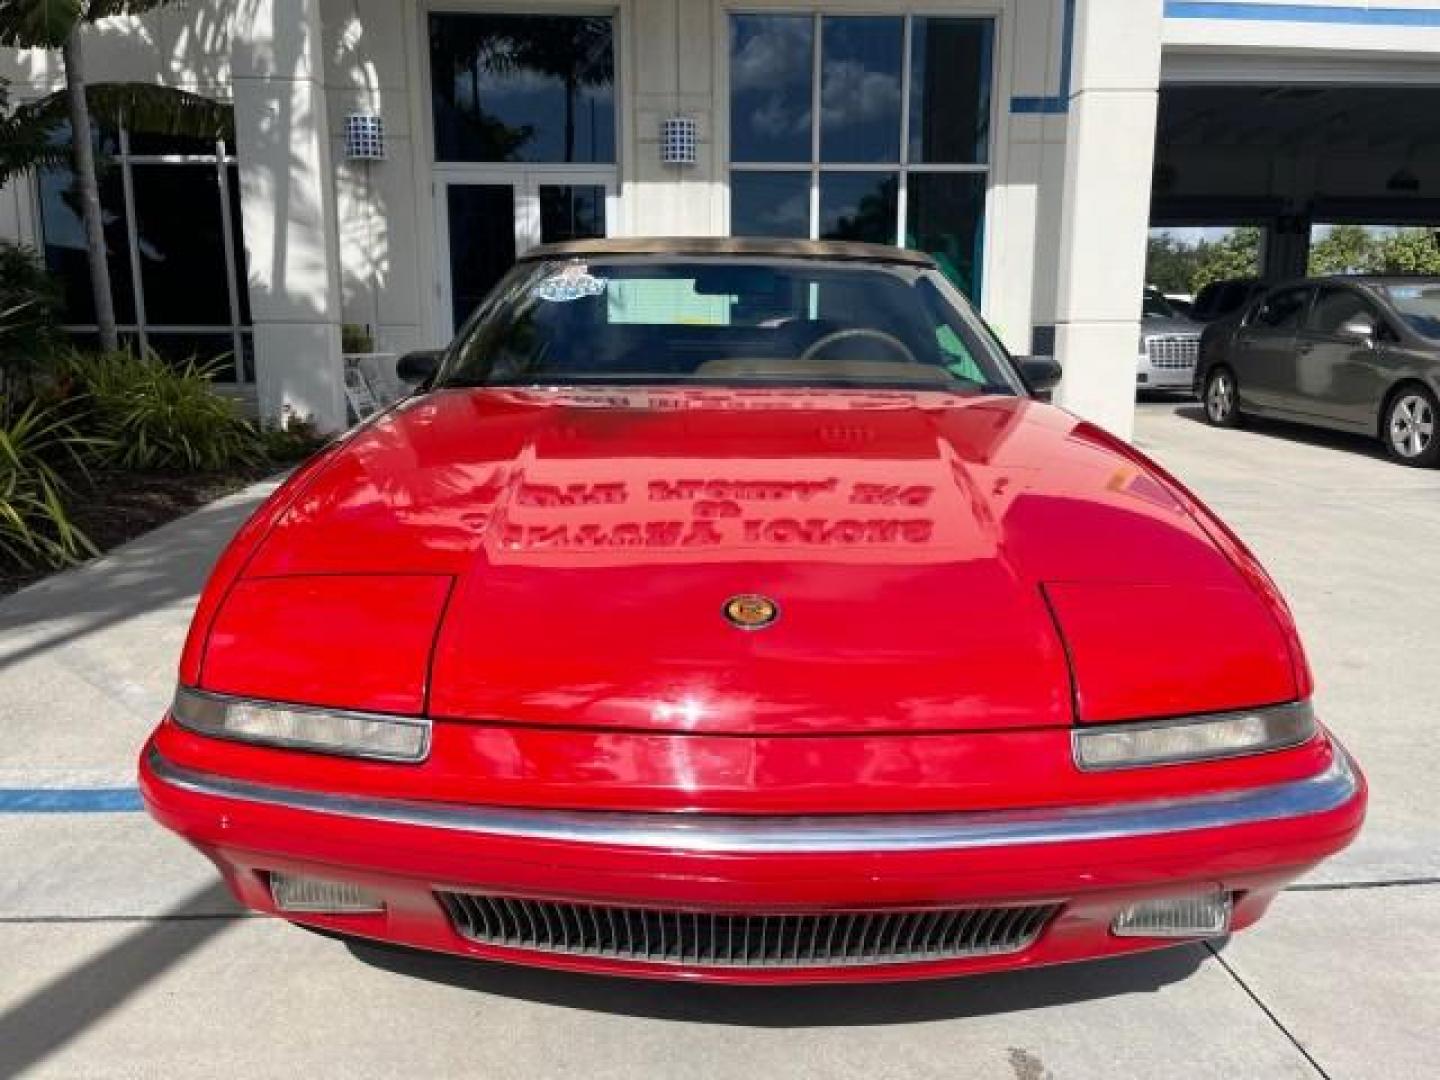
(1040, 373)
(420, 366)
(1360, 329)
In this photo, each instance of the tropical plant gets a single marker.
(152, 415)
(29, 305)
(1409, 251)
(1356, 249)
(1235, 255)
(292, 442)
(38, 446)
(1172, 265)
(356, 339)
(57, 24)
(25, 141)
(1345, 249)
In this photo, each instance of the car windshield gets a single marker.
(727, 320)
(1419, 305)
(1157, 307)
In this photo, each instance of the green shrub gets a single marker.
(151, 415)
(29, 309)
(356, 339)
(292, 442)
(37, 447)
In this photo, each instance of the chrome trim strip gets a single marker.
(737, 835)
(711, 246)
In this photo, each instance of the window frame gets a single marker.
(903, 167)
(1368, 306)
(1252, 320)
(431, 176)
(140, 328)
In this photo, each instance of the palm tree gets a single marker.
(57, 24)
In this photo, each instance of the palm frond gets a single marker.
(25, 141)
(35, 451)
(38, 24)
(108, 9)
(155, 110)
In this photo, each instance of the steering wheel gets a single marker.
(855, 332)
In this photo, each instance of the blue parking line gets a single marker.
(124, 800)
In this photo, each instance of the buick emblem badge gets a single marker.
(750, 611)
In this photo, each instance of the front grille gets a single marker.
(1173, 351)
(737, 939)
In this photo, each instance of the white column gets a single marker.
(377, 203)
(672, 72)
(287, 205)
(1105, 212)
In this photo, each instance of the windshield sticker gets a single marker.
(1406, 292)
(574, 282)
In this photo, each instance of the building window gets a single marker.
(900, 154)
(523, 88)
(171, 209)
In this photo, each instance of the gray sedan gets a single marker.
(1357, 354)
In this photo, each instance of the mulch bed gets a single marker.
(122, 505)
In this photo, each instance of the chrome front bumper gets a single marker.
(1150, 377)
(1323, 792)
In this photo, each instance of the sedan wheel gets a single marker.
(1221, 399)
(1410, 427)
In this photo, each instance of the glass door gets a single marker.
(479, 236)
(488, 218)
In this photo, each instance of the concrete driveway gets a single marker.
(120, 955)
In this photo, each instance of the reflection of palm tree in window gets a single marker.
(576, 52)
(468, 57)
(874, 217)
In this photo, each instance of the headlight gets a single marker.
(1195, 738)
(302, 727)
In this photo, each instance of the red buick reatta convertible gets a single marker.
(732, 610)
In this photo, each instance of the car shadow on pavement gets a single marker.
(1163, 397)
(1299, 433)
(46, 1020)
(854, 1005)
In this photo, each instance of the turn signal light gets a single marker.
(1194, 738)
(303, 727)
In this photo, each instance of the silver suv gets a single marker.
(1169, 346)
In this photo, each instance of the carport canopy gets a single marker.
(1294, 157)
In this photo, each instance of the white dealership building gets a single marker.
(390, 158)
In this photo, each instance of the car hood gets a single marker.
(1159, 325)
(593, 538)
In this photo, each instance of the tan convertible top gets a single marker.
(727, 245)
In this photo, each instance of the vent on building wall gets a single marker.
(678, 140)
(364, 137)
